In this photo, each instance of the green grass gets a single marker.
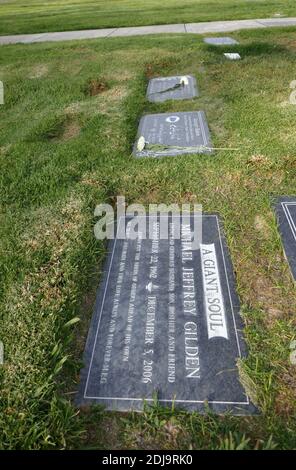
(63, 150)
(20, 16)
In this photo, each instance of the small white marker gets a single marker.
(232, 55)
(1, 353)
(1, 93)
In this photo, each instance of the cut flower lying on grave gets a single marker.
(183, 82)
(142, 146)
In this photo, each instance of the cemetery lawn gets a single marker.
(33, 16)
(67, 128)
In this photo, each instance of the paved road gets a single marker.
(197, 28)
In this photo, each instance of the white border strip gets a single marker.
(173, 401)
(289, 216)
(202, 128)
(103, 301)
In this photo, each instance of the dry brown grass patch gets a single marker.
(264, 293)
(258, 160)
(39, 71)
(261, 226)
(71, 129)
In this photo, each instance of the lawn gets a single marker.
(33, 16)
(67, 127)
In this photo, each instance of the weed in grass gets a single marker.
(95, 87)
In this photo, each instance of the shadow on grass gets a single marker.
(251, 50)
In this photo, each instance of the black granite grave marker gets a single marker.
(285, 208)
(170, 88)
(166, 323)
(223, 41)
(172, 134)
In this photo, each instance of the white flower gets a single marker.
(141, 144)
(184, 81)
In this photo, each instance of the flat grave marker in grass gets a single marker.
(172, 134)
(222, 41)
(285, 209)
(171, 88)
(166, 323)
(232, 55)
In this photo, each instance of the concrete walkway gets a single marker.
(197, 28)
